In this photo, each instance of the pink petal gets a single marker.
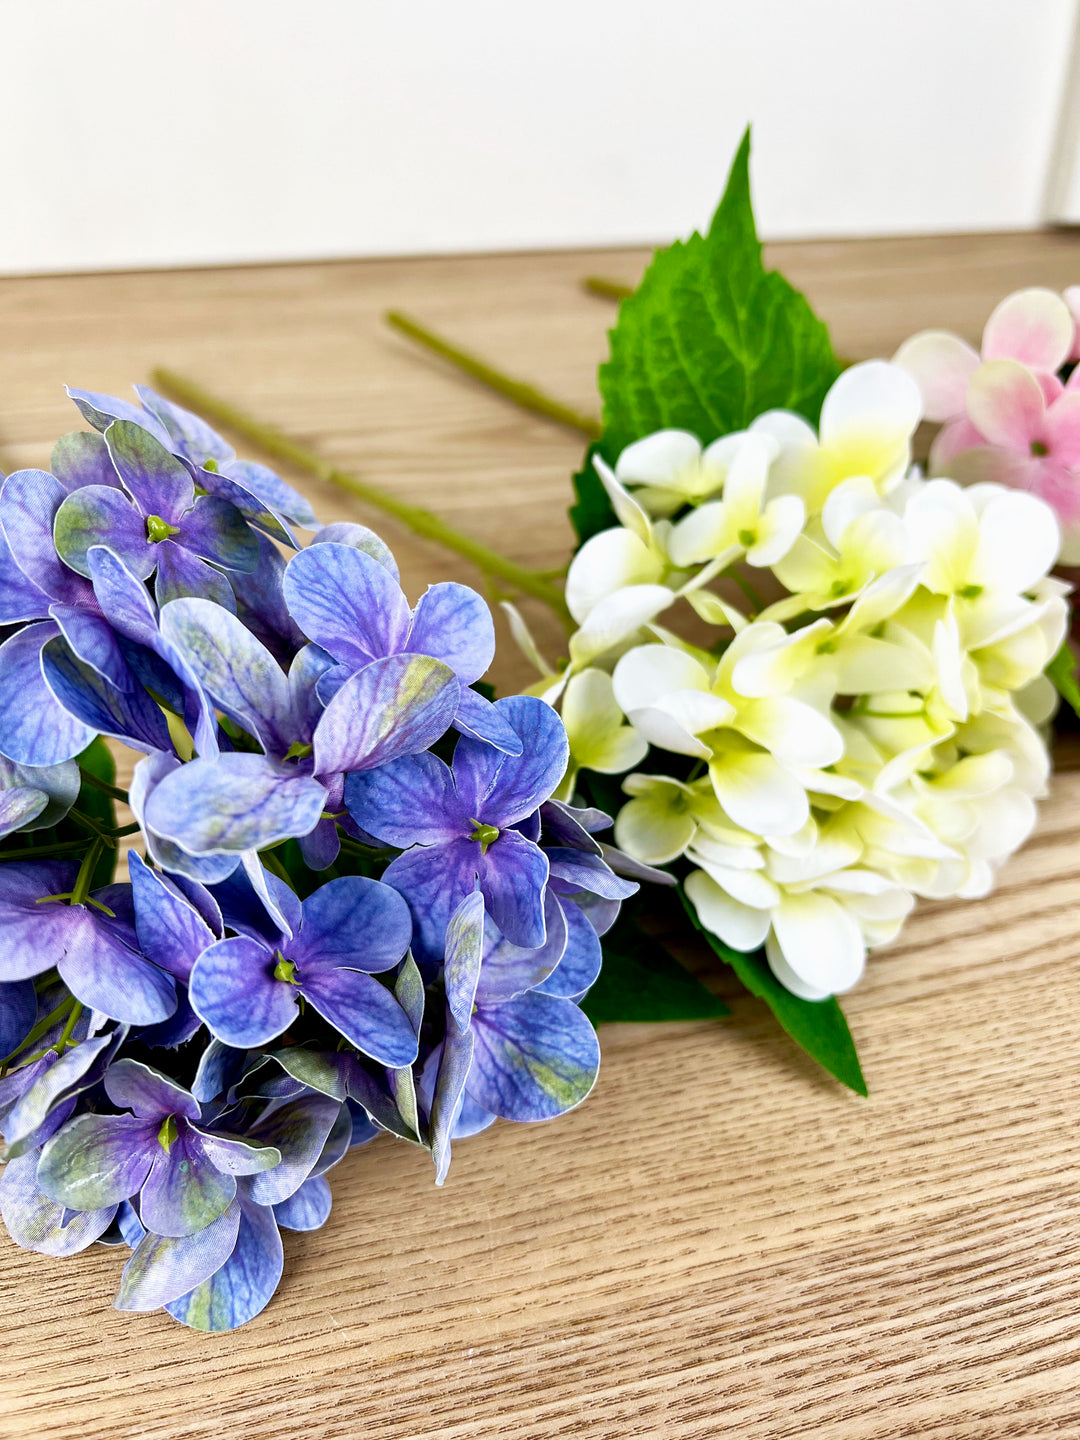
(1061, 429)
(941, 364)
(1060, 488)
(1071, 296)
(952, 440)
(1005, 402)
(1033, 326)
(1050, 385)
(987, 464)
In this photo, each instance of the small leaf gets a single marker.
(592, 511)
(816, 1026)
(711, 339)
(641, 982)
(1062, 671)
(97, 760)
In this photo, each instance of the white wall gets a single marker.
(161, 132)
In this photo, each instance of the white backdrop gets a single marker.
(163, 132)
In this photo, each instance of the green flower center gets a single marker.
(158, 529)
(1038, 448)
(485, 834)
(285, 970)
(970, 592)
(168, 1133)
(747, 538)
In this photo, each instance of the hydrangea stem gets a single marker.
(605, 288)
(113, 791)
(527, 396)
(422, 522)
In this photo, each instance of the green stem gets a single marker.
(421, 522)
(745, 586)
(605, 288)
(72, 1021)
(274, 865)
(85, 877)
(527, 396)
(95, 784)
(41, 1027)
(40, 852)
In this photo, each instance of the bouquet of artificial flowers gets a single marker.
(360, 908)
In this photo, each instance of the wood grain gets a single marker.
(721, 1242)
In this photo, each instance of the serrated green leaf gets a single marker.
(1062, 671)
(711, 339)
(641, 982)
(593, 510)
(816, 1026)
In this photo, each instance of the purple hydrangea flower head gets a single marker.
(347, 600)
(461, 825)
(248, 988)
(184, 1174)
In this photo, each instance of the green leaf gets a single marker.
(640, 981)
(711, 339)
(816, 1026)
(593, 511)
(98, 761)
(1062, 671)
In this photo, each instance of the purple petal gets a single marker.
(631, 869)
(535, 1057)
(97, 1160)
(581, 871)
(98, 515)
(393, 707)
(601, 914)
(464, 949)
(101, 410)
(347, 532)
(127, 715)
(186, 433)
(184, 1191)
(411, 801)
(347, 602)
(455, 1063)
(509, 970)
(409, 989)
(35, 729)
(309, 665)
(20, 598)
(321, 846)
(239, 673)
(239, 493)
(219, 1068)
(209, 869)
(102, 972)
(81, 458)
(238, 1155)
(453, 624)
(364, 1011)
(513, 874)
(183, 576)
(480, 719)
(58, 784)
(35, 936)
(503, 789)
(352, 921)
(17, 808)
(18, 1011)
(72, 1073)
(269, 487)
(235, 803)
(434, 880)
(308, 1208)
(159, 483)
(258, 904)
(234, 991)
(244, 1285)
(148, 1094)
(90, 637)
(581, 960)
(568, 826)
(217, 531)
(122, 597)
(171, 932)
(35, 1222)
(162, 1268)
(29, 501)
(181, 1026)
(260, 603)
(299, 1130)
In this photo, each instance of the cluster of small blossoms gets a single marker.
(855, 726)
(1009, 412)
(360, 908)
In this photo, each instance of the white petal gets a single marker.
(659, 458)
(851, 498)
(647, 673)
(617, 618)
(664, 730)
(789, 429)
(606, 563)
(749, 887)
(623, 503)
(793, 731)
(705, 532)
(758, 793)
(871, 399)
(1018, 542)
(821, 941)
(524, 639)
(779, 527)
(739, 926)
(786, 975)
(652, 832)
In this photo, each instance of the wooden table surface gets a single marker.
(721, 1241)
